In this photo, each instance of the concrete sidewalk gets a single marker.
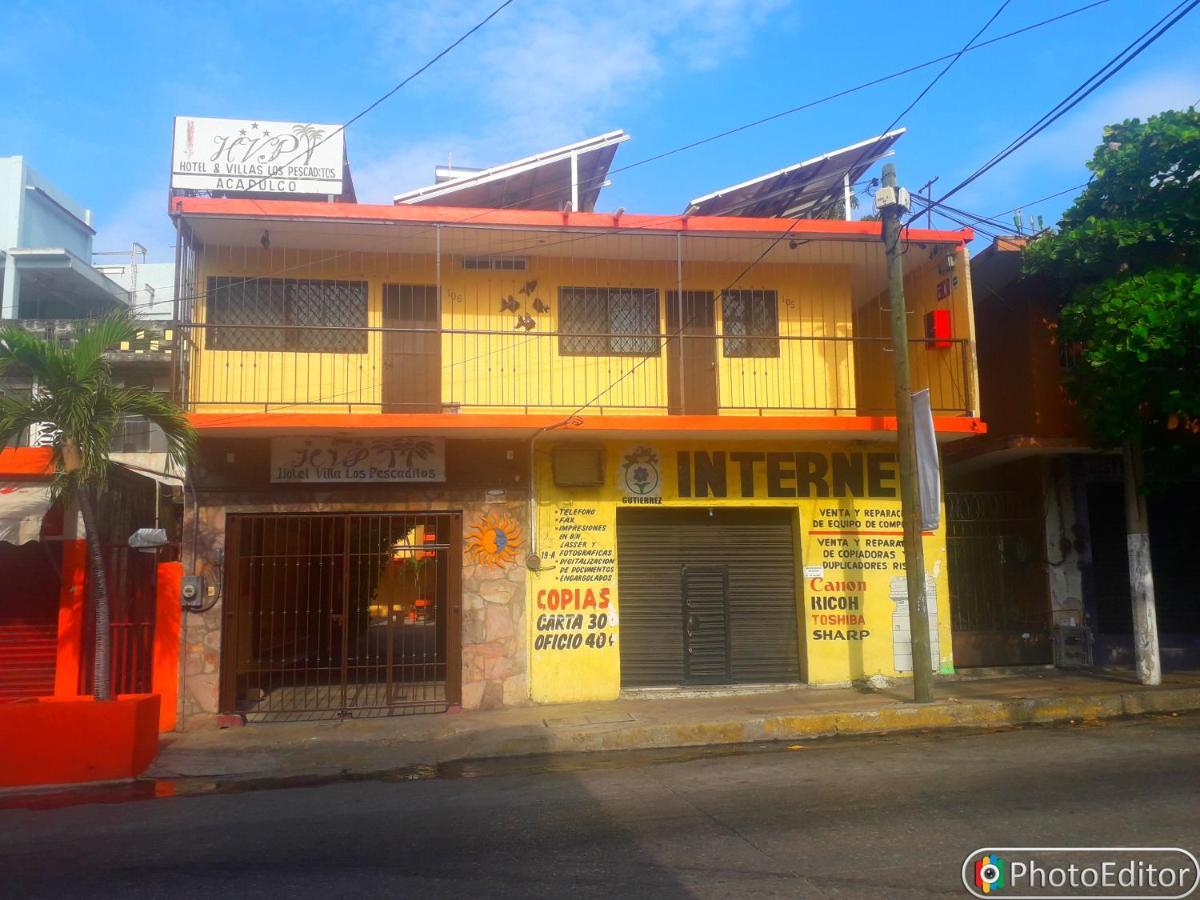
(665, 720)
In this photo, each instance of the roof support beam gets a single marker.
(574, 182)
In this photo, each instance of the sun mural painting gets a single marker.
(494, 540)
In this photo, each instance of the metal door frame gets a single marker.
(683, 596)
(132, 595)
(229, 673)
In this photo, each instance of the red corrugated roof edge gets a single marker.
(306, 210)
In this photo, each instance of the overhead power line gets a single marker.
(936, 207)
(735, 130)
(1080, 93)
(837, 95)
(953, 58)
(1033, 203)
(943, 211)
(773, 244)
(938, 77)
(416, 73)
(845, 92)
(376, 103)
(776, 241)
(966, 220)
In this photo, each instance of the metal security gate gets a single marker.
(341, 615)
(999, 598)
(132, 577)
(707, 597)
(29, 619)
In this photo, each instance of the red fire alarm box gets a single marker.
(937, 329)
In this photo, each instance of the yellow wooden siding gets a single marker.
(815, 369)
(489, 365)
(942, 370)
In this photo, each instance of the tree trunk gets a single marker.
(102, 673)
(1141, 575)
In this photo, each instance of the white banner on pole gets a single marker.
(929, 472)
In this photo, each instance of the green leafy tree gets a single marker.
(75, 395)
(1126, 256)
(835, 210)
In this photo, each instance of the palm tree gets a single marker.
(76, 396)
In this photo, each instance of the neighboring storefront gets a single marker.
(729, 562)
(357, 576)
(47, 619)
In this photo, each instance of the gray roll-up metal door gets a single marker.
(655, 548)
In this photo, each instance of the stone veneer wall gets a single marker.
(494, 628)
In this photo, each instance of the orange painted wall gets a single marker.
(69, 741)
(168, 620)
(26, 462)
(71, 606)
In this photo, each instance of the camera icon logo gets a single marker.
(989, 873)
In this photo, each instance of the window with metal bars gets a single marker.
(601, 321)
(750, 323)
(275, 303)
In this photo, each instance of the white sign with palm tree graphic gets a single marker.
(352, 460)
(252, 156)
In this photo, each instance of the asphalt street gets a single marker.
(879, 817)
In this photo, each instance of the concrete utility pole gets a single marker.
(893, 202)
(1141, 576)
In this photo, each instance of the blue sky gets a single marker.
(92, 89)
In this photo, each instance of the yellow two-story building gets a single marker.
(490, 457)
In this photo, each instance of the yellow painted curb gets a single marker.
(899, 718)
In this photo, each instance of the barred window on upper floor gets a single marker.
(750, 323)
(601, 321)
(304, 315)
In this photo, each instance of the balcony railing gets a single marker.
(465, 370)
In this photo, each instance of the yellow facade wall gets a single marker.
(929, 283)
(489, 365)
(850, 563)
(258, 380)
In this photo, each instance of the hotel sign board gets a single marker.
(256, 157)
(349, 460)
